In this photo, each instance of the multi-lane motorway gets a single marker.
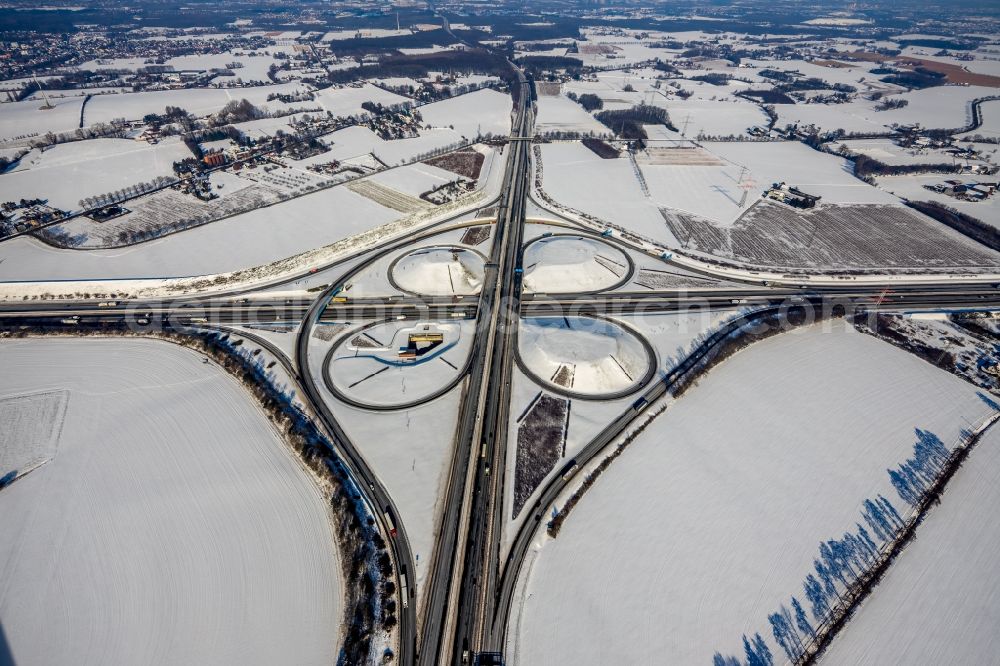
(456, 564)
(480, 568)
(258, 310)
(470, 583)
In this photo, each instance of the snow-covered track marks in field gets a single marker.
(388, 197)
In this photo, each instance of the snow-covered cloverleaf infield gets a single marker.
(394, 364)
(564, 263)
(584, 357)
(439, 271)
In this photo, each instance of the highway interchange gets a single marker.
(465, 601)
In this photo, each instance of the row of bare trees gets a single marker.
(102, 200)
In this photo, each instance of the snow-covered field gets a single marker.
(66, 173)
(714, 118)
(415, 179)
(711, 519)
(884, 150)
(558, 113)
(354, 142)
(75, 92)
(912, 187)
(254, 67)
(795, 163)
(250, 239)
(367, 33)
(29, 436)
(171, 525)
(671, 337)
(856, 117)
(261, 127)
(347, 101)
(624, 53)
(397, 82)
(27, 118)
(199, 101)
(574, 176)
(940, 599)
(850, 75)
(485, 111)
(404, 150)
(722, 182)
(939, 107)
(608, 86)
(612, 98)
(991, 119)
(345, 144)
(716, 192)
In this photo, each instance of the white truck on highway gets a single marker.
(404, 591)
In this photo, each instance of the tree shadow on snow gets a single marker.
(6, 656)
